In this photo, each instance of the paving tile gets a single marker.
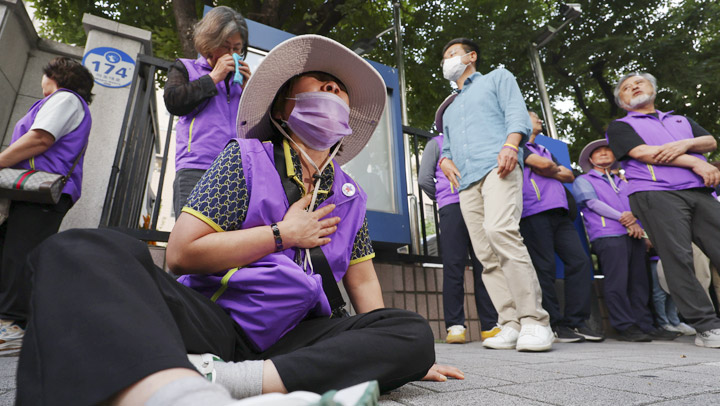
(645, 385)
(704, 399)
(621, 364)
(469, 398)
(518, 374)
(680, 376)
(576, 368)
(471, 381)
(568, 393)
(710, 368)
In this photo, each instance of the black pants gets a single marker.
(673, 220)
(551, 232)
(26, 227)
(103, 316)
(626, 283)
(456, 244)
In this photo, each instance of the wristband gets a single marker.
(441, 159)
(278, 238)
(511, 146)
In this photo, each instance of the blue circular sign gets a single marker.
(111, 67)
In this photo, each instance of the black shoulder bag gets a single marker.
(320, 263)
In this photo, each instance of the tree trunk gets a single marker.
(185, 19)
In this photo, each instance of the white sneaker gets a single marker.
(11, 332)
(364, 394)
(534, 337)
(504, 340)
(685, 329)
(709, 339)
(670, 327)
(205, 364)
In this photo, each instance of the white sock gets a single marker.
(190, 391)
(242, 379)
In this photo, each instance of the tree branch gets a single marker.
(185, 18)
(580, 98)
(328, 17)
(596, 72)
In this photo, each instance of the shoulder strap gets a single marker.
(320, 262)
(77, 159)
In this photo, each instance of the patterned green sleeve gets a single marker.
(362, 247)
(220, 198)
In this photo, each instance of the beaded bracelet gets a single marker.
(278, 238)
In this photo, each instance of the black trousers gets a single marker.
(27, 225)
(551, 232)
(456, 244)
(626, 283)
(673, 220)
(103, 317)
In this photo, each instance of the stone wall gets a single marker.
(419, 289)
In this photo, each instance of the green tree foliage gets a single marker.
(677, 41)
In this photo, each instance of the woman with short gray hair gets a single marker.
(204, 95)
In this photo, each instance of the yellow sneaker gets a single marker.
(489, 333)
(456, 334)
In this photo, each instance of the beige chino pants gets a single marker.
(492, 208)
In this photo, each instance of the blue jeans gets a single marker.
(665, 309)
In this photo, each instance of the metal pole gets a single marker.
(400, 62)
(412, 198)
(544, 99)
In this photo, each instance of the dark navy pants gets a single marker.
(551, 232)
(455, 243)
(626, 283)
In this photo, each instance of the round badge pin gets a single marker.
(348, 189)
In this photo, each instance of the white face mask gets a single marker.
(453, 68)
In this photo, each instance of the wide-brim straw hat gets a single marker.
(441, 110)
(584, 160)
(308, 53)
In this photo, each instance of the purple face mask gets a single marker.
(319, 119)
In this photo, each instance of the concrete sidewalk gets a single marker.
(607, 373)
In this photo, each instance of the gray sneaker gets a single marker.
(709, 339)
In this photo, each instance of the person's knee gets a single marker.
(421, 343)
(503, 235)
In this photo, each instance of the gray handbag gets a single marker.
(28, 185)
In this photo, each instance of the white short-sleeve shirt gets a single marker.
(61, 114)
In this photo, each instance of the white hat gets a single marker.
(308, 53)
(584, 160)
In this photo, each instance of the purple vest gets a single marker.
(598, 226)
(272, 295)
(541, 193)
(445, 193)
(203, 134)
(659, 131)
(61, 155)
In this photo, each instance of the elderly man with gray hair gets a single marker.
(670, 186)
